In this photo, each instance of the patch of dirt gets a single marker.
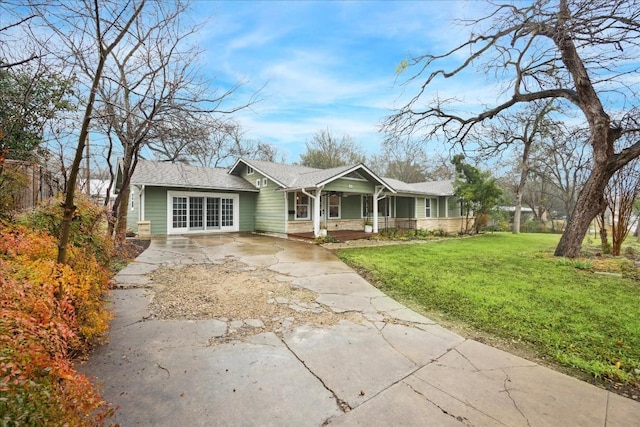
(251, 300)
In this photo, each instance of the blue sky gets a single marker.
(328, 64)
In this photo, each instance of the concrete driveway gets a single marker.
(380, 364)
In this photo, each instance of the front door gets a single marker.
(323, 209)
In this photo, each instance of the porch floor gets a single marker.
(339, 235)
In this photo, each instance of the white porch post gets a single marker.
(376, 196)
(316, 209)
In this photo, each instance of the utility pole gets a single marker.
(88, 170)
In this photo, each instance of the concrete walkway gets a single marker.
(390, 367)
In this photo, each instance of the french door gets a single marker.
(196, 212)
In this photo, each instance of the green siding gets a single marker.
(405, 207)
(268, 211)
(442, 206)
(357, 186)
(419, 207)
(454, 207)
(247, 208)
(132, 215)
(351, 207)
(156, 207)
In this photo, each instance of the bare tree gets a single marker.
(574, 51)
(563, 159)
(622, 192)
(88, 31)
(519, 131)
(326, 151)
(155, 93)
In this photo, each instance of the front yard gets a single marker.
(581, 315)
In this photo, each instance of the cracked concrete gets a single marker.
(391, 367)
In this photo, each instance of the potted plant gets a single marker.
(368, 226)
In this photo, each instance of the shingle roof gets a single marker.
(288, 176)
(295, 176)
(187, 176)
(436, 188)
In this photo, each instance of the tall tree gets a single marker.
(325, 151)
(563, 161)
(155, 96)
(576, 51)
(622, 192)
(30, 97)
(87, 32)
(520, 131)
(478, 192)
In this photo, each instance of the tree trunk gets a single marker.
(69, 205)
(517, 214)
(589, 204)
(121, 220)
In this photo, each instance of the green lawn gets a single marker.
(512, 287)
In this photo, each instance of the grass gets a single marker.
(511, 286)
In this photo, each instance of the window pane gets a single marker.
(213, 212)
(334, 206)
(302, 206)
(196, 212)
(227, 212)
(179, 212)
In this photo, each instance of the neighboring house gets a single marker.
(252, 195)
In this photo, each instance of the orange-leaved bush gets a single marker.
(48, 311)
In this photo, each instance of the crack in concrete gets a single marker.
(465, 357)
(466, 403)
(342, 404)
(606, 410)
(507, 379)
(458, 418)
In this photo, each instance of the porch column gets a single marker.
(376, 196)
(316, 209)
(316, 212)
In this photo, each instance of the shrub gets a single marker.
(48, 311)
(88, 229)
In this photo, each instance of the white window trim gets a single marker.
(258, 183)
(295, 204)
(339, 207)
(236, 212)
(265, 182)
(249, 170)
(433, 207)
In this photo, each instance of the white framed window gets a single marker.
(334, 206)
(249, 170)
(265, 181)
(258, 183)
(384, 207)
(197, 212)
(302, 206)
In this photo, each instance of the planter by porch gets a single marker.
(323, 232)
(368, 228)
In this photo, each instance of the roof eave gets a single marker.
(352, 169)
(259, 170)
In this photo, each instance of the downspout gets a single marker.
(141, 214)
(376, 196)
(316, 209)
(286, 212)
